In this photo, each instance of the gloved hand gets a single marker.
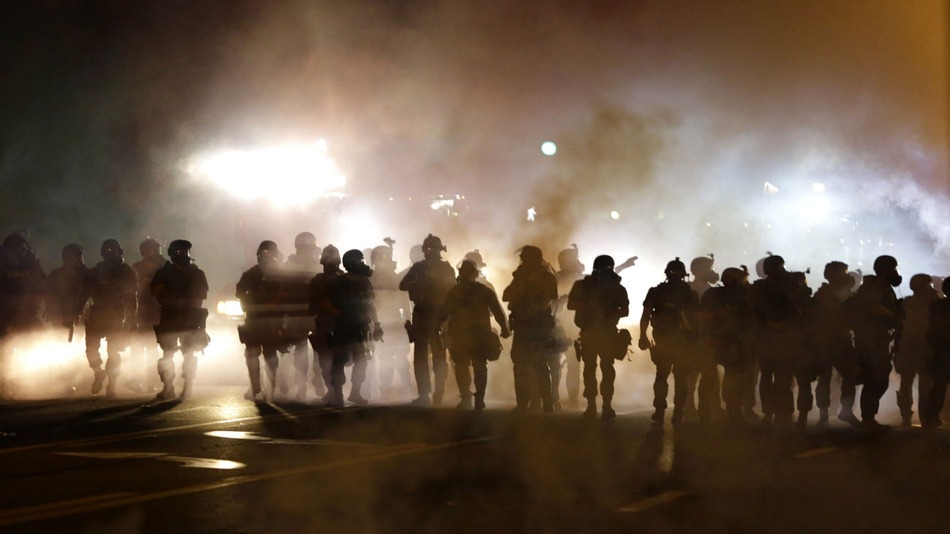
(644, 343)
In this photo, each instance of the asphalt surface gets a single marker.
(218, 463)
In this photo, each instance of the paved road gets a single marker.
(218, 463)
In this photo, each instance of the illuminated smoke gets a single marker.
(673, 115)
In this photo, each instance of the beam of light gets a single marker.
(813, 208)
(230, 308)
(548, 148)
(44, 365)
(286, 176)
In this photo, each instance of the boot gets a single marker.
(658, 415)
(848, 416)
(110, 387)
(591, 411)
(167, 392)
(465, 403)
(802, 422)
(98, 379)
(358, 399)
(607, 413)
(186, 390)
(337, 401)
(822, 418)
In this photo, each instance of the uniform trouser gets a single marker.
(528, 357)
(114, 359)
(875, 361)
(170, 343)
(252, 354)
(425, 342)
(592, 347)
(393, 360)
(905, 394)
(322, 364)
(669, 355)
(777, 356)
(737, 381)
(555, 362)
(572, 378)
(463, 377)
(940, 374)
(706, 377)
(143, 348)
(343, 354)
(822, 395)
(301, 362)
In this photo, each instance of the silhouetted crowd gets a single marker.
(730, 345)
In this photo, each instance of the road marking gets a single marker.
(66, 508)
(59, 508)
(650, 502)
(815, 452)
(146, 433)
(186, 461)
(252, 436)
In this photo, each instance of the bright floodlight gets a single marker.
(818, 187)
(614, 215)
(548, 148)
(283, 175)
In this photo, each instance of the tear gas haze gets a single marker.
(670, 118)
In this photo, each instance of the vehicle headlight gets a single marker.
(230, 308)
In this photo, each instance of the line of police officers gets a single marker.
(153, 301)
(772, 333)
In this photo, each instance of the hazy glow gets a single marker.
(442, 203)
(231, 308)
(818, 187)
(614, 215)
(548, 148)
(289, 175)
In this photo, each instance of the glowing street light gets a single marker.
(548, 148)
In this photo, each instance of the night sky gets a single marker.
(673, 111)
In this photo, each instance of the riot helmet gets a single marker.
(475, 257)
(305, 241)
(531, 255)
(382, 257)
(773, 265)
(268, 254)
(14, 241)
(468, 271)
(675, 269)
(733, 276)
(432, 247)
(701, 268)
(886, 267)
(568, 260)
(73, 254)
(111, 251)
(603, 263)
(179, 252)
(330, 255)
(353, 263)
(921, 283)
(150, 248)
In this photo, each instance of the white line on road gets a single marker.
(65, 508)
(146, 433)
(815, 452)
(650, 502)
